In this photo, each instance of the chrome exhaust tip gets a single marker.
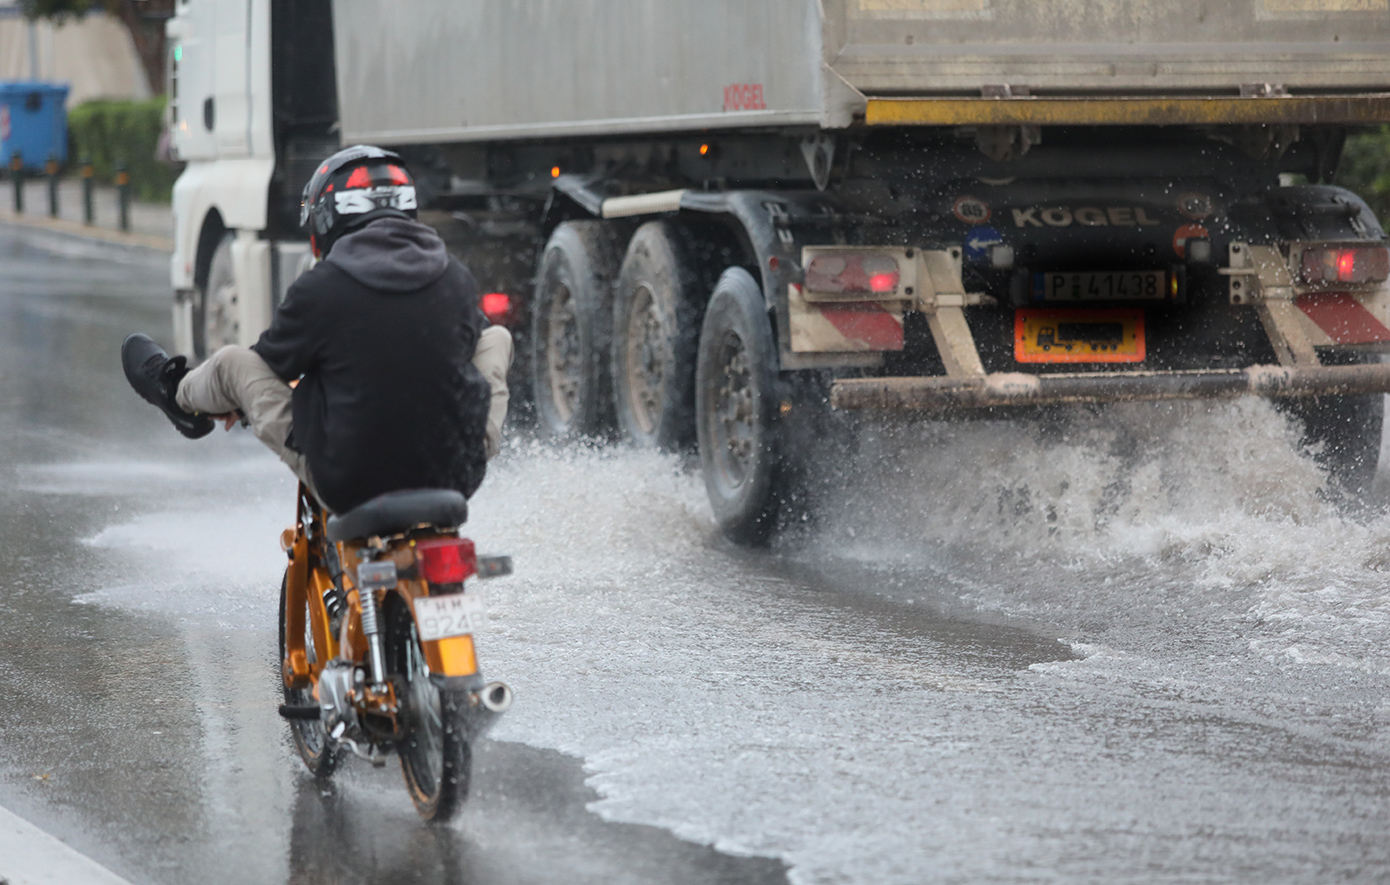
(496, 697)
(486, 707)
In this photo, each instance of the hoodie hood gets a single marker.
(391, 255)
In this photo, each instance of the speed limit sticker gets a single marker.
(971, 211)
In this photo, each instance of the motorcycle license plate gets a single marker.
(1134, 285)
(1079, 336)
(458, 614)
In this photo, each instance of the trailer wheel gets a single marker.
(572, 323)
(736, 408)
(216, 313)
(1345, 431)
(656, 323)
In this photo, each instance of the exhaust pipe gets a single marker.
(487, 707)
(497, 697)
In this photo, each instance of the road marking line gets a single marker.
(29, 856)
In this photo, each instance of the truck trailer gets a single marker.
(723, 223)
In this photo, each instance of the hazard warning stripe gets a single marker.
(1343, 318)
(867, 322)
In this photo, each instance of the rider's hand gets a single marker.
(228, 420)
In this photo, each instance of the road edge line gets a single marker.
(31, 856)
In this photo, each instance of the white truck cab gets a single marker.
(233, 258)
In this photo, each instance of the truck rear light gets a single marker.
(497, 306)
(447, 560)
(1350, 264)
(853, 273)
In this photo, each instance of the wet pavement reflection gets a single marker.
(144, 733)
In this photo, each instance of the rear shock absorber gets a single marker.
(372, 576)
(371, 628)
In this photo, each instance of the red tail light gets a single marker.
(497, 306)
(859, 273)
(1353, 264)
(447, 560)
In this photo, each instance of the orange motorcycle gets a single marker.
(377, 618)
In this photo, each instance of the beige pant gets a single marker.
(237, 379)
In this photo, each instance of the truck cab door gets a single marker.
(231, 80)
(193, 66)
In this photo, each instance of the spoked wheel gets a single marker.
(736, 407)
(435, 757)
(310, 737)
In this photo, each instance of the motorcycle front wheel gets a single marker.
(310, 737)
(435, 756)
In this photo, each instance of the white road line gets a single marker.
(29, 856)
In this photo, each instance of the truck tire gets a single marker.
(1344, 432)
(571, 329)
(737, 410)
(657, 308)
(216, 312)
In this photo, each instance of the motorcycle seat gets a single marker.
(395, 512)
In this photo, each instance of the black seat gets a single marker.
(394, 512)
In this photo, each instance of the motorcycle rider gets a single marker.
(401, 381)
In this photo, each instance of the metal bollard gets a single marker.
(51, 169)
(123, 194)
(88, 211)
(17, 174)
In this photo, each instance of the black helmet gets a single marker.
(354, 186)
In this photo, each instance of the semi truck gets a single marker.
(728, 224)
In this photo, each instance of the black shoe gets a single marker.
(156, 376)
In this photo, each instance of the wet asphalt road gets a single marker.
(884, 700)
(150, 741)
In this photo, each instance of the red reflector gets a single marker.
(447, 560)
(883, 282)
(496, 306)
(1346, 265)
(398, 175)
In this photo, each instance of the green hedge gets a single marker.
(1365, 169)
(114, 132)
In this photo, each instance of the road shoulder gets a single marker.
(29, 856)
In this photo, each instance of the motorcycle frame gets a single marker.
(453, 661)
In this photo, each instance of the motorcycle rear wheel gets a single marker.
(436, 758)
(310, 737)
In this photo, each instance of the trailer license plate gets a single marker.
(458, 614)
(1079, 336)
(1132, 285)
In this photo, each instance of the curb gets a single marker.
(30, 856)
(77, 229)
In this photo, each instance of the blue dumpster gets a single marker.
(33, 123)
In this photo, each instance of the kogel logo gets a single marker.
(1086, 216)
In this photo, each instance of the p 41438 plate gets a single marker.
(1134, 285)
(1079, 336)
(457, 614)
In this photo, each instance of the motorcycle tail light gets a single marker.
(853, 273)
(447, 560)
(1350, 264)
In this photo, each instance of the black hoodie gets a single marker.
(381, 335)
